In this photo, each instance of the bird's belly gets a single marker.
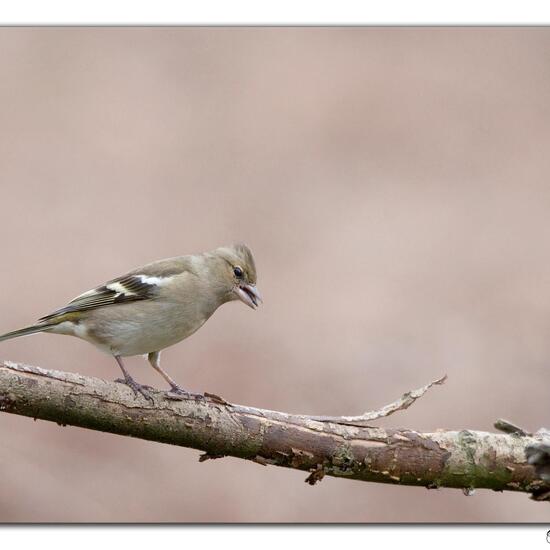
(138, 339)
(153, 329)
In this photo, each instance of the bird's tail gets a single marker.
(23, 332)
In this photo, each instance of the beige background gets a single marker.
(393, 184)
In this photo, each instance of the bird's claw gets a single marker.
(137, 388)
(216, 398)
(184, 394)
(178, 393)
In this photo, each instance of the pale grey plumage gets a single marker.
(155, 306)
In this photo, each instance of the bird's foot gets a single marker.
(137, 388)
(179, 394)
(184, 394)
(216, 398)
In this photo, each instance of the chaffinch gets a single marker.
(155, 306)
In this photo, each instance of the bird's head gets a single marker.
(239, 274)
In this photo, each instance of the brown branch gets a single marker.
(404, 402)
(335, 446)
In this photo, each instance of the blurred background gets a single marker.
(393, 185)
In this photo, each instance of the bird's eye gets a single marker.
(238, 272)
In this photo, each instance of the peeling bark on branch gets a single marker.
(335, 446)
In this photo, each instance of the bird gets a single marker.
(155, 306)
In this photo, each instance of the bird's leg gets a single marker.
(129, 381)
(154, 359)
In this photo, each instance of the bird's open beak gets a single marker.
(249, 295)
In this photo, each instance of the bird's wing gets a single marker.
(118, 291)
(140, 284)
